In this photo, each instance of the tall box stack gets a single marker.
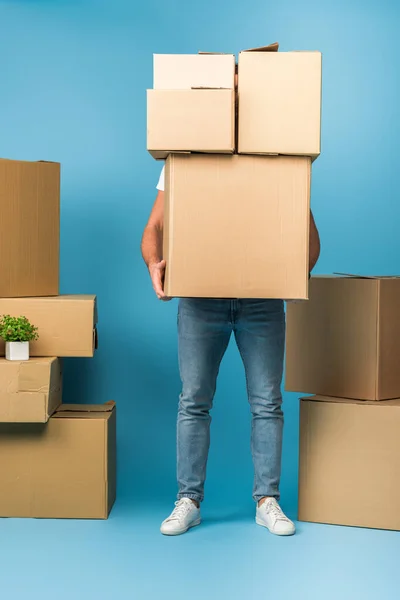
(343, 346)
(59, 460)
(237, 194)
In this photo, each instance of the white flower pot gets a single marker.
(17, 350)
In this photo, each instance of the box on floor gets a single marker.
(66, 324)
(345, 341)
(349, 462)
(65, 469)
(29, 228)
(30, 391)
(237, 226)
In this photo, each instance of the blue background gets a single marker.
(72, 89)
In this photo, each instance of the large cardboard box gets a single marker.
(29, 228)
(190, 121)
(280, 103)
(345, 341)
(188, 71)
(30, 391)
(65, 469)
(67, 324)
(350, 462)
(237, 226)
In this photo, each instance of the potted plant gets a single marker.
(17, 332)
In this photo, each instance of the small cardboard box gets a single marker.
(237, 226)
(30, 391)
(349, 462)
(201, 120)
(29, 228)
(67, 324)
(345, 341)
(280, 103)
(188, 71)
(65, 469)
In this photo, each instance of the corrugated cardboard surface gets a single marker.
(388, 370)
(186, 71)
(30, 391)
(190, 120)
(350, 462)
(237, 226)
(280, 103)
(29, 228)
(345, 341)
(62, 470)
(66, 323)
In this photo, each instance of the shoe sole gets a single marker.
(182, 531)
(262, 524)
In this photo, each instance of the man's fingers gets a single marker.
(157, 276)
(157, 283)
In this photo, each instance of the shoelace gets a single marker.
(275, 511)
(181, 509)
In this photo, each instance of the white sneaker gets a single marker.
(184, 516)
(271, 516)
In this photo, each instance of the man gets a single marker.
(204, 329)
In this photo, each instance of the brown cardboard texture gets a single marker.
(190, 120)
(187, 71)
(65, 469)
(237, 226)
(280, 103)
(67, 324)
(345, 341)
(29, 228)
(30, 391)
(349, 462)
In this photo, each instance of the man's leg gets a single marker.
(260, 335)
(204, 328)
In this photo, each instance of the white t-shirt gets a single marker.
(160, 184)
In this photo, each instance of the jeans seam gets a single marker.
(191, 497)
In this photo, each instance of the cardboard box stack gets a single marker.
(343, 346)
(57, 460)
(238, 170)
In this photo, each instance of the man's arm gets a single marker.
(315, 245)
(152, 244)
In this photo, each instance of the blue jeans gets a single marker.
(205, 327)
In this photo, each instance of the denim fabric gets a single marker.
(205, 327)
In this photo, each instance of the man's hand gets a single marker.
(157, 274)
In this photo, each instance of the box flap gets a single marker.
(208, 88)
(50, 162)
(270, 48)
(353, 276)
(334, 400)
(216, 53)
(86, 408)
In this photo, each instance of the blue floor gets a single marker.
(228, 556)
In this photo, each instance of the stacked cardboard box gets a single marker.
(343, 346)
(57, 460)
(238, 170)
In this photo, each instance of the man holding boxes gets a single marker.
(231, 236)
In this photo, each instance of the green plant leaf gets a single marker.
(17, 329)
